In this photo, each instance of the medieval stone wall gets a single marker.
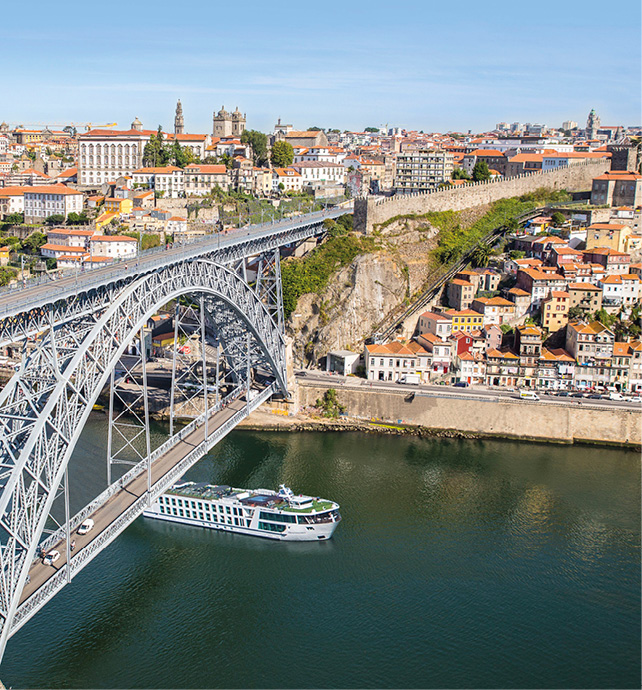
(370, 212)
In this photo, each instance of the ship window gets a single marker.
(201, 516)
(180, 512)
(173, 501)
(227, 510)
(161, 509)
(277, 518)
(271, 528)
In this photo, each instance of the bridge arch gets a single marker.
(41, 454)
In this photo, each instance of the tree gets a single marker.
(55, 219)
(14, 218)
(481, 171)
(329, 404)
(282, 154)
(371, 129)
(6, 275)
(516, 254)
(558, 219)
(180, 156)
(51, 264)
(512, 224)
(226, 160)
(314, 129)
(33, 243)
(460, 174)
(480, 255)
(575, 313)
(259, 142)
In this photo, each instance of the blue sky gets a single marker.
(422, 65)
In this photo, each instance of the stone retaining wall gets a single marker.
(369, 212)
(562, 423)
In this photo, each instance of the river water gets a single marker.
(457, 564)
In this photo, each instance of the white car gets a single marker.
(528, 395)
(51, 557)
(616, 396)
(86, 526)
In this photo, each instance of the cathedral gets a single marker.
(228, 124)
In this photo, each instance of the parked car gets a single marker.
(86, 526)
(595, 396)
(563, 394)
(616, 396)
(51, 557)
(462, 384)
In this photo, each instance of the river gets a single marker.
(479, 564)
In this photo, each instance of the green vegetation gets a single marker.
(481, 171)
(160, 153)
(148, 241)
(258, 141)
(460, 174)
(313, 272)
(455, 240)
(282, 154)
(7, 275)
(329, 404)
(14, 218)
(55, 219)
(33, 243)
(558, 219)
(371, 129)
(77, 218)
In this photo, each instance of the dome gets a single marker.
(137, 124)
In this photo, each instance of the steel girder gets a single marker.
(45, 405)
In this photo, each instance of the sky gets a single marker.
(349, 64)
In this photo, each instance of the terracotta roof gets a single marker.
(584, 286)
(158, 170)
(519, 291)
(113, 238)
(607, 226)
(206, 169)
(619, 175)
(557, 355)
(621, 350)
(397, 348)
(61, 247)
(433, 315)
(505, 354)
(53, 189)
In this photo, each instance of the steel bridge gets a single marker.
(85, 333)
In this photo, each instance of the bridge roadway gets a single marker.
(115, 506)
(37, 292)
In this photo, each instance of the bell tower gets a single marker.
(179, 123)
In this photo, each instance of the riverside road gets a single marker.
(331, 380)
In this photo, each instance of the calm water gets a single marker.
(457, 564)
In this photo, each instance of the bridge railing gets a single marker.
(208, 243)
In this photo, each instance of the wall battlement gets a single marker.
(370, 212)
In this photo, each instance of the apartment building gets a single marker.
(391, 361)
(422, 170)
(49, 200)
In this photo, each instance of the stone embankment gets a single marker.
(460, 416)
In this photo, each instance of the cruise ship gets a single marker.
(260, 513)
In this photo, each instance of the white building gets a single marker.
(314, 172)
(49, 200)
(114, 246)
(391, 361)
(12, 200)
(289, 178)
(70, 237)
(176, 225)
(169, 180)
(620, 290)
(55, 251)
(200, 178)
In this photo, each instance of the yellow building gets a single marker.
(611, 235)
(465, 320)
(4, 255)
(118, 205)
(555, 310)
(104, 219)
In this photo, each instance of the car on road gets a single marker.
(528, 395)
(51, 557)
(563, 394)
(595, 396)
(616, 396)
(462, 384)
(579, 395)
(86, 526)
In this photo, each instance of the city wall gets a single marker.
(370, 212)
(562, 423)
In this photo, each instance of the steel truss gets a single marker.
(44, 407)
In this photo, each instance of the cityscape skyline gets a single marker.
(342, 67)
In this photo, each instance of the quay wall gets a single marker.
(370, 212)
(559, 422)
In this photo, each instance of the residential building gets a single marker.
(289, 178)
(620, 290)
(611, 235)
(460, 294)
(617, 188)
(556, 370)
(470, 368)
(493, 336)
(528, 345)
(439, 325)
(12, 200)
(114, 246)
(167, 182)
(586, 296)
(49, 200)
(465, 320)
(611, 260)
(391, 361)
(589, 342)
(422, 170)
(502, 368)
(521, 299)
(115, 205)
(524, 163)
(635, 367)
(440, 351)
(495, 310)
(555, 311)
(55, 251)
(200, 179)
(539, 284)
(314, 173)
(176, 225)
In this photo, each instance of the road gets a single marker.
(483, 393)
(117, 504)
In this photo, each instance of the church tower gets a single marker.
(179, 123)
(592, 125)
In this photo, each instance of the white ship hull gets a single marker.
(262, 513)
(292, 532)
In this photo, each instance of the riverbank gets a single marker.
(393, 412)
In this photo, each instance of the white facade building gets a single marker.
(169, 180)
(49, 200)
(114, 246)
(289, 178)
(313, 172)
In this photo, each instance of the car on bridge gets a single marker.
(51, 557)
(86, 526)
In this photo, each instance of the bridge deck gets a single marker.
(106, 514)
